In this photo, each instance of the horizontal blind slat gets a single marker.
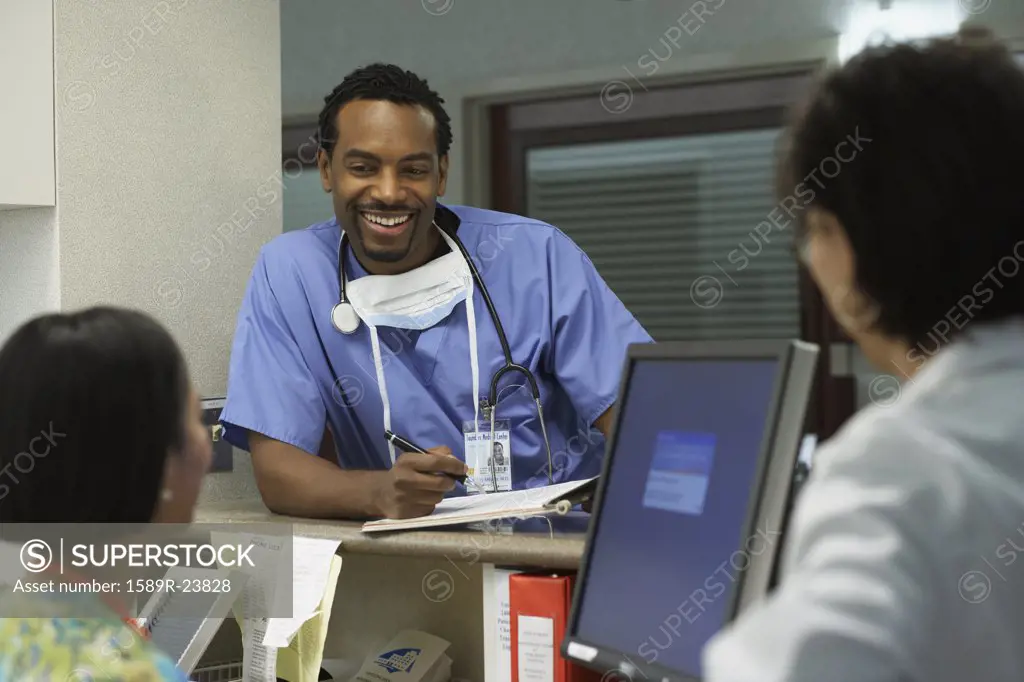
(689, 212)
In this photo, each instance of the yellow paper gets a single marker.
(300, 662)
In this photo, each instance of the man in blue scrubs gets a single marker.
(414, 349)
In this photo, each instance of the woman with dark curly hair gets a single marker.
(907, 163)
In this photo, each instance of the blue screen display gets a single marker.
(669, 543)
(680, 472)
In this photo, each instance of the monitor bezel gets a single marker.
(609, 661)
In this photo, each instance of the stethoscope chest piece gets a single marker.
(344, 318)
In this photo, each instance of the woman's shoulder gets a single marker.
(75, 648)
(903, 473)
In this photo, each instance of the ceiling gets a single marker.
(451, 42)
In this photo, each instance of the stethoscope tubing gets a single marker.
(510, 365)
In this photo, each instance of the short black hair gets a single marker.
(383, 82)
(92, 403)
(930, 191)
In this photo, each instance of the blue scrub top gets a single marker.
(561, 320)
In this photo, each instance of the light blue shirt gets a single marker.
(561, 319)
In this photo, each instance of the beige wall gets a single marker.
(169, 139)
(168, 143)
(168, 135)
(29, 270)
(26, 117)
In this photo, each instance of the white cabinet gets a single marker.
(27, 167)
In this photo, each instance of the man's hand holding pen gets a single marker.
(418, 481)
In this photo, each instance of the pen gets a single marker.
(405, 445)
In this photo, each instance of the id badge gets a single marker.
(490, 464)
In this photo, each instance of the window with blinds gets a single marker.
(679, 228)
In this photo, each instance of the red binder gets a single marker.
(539, 606)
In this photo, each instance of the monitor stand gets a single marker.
(800, 474)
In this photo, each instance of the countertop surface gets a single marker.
(543, 542)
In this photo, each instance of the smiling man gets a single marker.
(404, 315)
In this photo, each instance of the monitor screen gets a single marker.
(668, 545)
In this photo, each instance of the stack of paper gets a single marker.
(303, 657)
(312, 562)
(259, 662)
(267, 643)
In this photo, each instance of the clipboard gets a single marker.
(182, 624)
(553, 499)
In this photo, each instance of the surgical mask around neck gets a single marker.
(417, 299)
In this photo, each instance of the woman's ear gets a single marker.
(169, 495)
(165, 494)
(829, 257)
(854, 310)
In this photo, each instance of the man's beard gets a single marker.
(383, 255)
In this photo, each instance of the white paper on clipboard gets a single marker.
(542, 501)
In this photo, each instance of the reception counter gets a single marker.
(430, 580)
(554, 542)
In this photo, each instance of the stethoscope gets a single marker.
(346, 320)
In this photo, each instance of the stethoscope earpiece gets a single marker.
(344, 318)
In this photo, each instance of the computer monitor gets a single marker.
(690, 502)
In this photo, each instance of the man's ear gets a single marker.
(324, 164)
(442, 172)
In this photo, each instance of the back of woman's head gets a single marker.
(91, 405)
(915, 149)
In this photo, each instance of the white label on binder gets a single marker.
(503, 623)
(536, 659)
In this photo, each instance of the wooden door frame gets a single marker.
(508, 150)
(742, 103)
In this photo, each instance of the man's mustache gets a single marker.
(385, 208)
